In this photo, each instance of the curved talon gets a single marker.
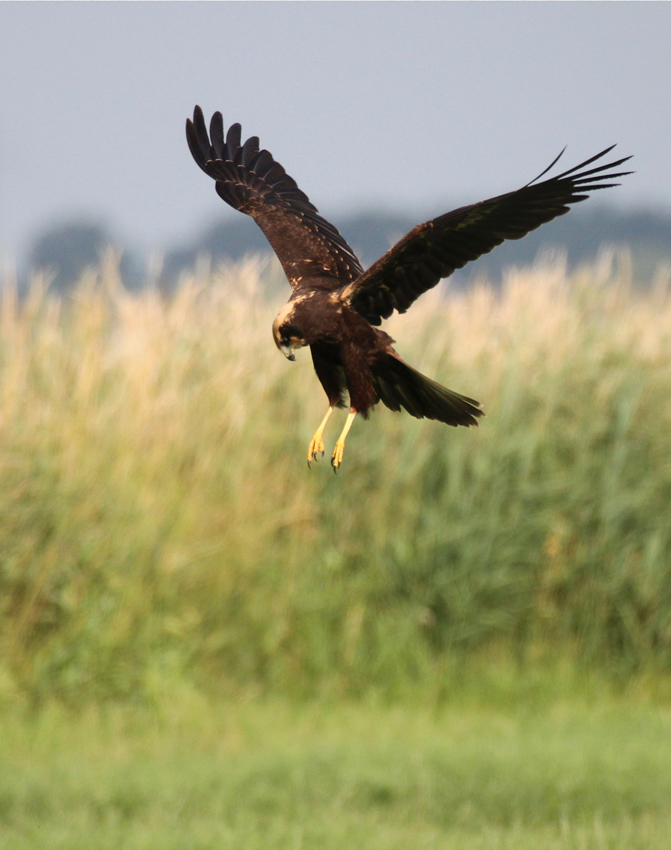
(338, 453)
(316, 447)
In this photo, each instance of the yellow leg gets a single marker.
(317, 444)
(339, 449)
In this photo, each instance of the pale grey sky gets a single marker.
(414, 106)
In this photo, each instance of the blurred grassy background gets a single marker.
(159, 527)
(461, 641)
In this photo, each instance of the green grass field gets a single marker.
(271, 776)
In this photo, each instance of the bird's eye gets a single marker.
(289, 332)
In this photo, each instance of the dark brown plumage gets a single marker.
(335, 304)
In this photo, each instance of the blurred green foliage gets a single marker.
(270, 775)
(159, 525)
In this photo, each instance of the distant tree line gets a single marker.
(65, 249)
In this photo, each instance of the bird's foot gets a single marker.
(338, 453)
(316, 448)
(339, 449)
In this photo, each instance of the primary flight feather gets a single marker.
(335, 306)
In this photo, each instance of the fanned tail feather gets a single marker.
(400, 386)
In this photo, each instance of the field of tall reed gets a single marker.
(159, 526)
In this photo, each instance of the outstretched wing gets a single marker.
(433, 250)
(251, 181)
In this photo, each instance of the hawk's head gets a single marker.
(286, 334)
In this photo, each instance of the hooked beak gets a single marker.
(288, 351)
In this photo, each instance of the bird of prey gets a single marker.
(336, 306)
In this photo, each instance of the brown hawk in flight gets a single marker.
(335, 306)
